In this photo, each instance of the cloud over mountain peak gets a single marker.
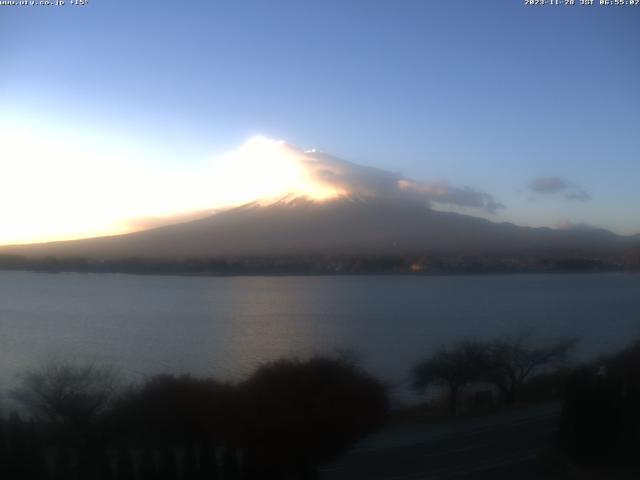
(364, 181)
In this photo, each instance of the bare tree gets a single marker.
(511, 361)
(453, 368)
(61, 392)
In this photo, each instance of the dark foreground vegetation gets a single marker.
(598, 435)
(600, 425)
(292, 416)
(599, 430)
(282, 422)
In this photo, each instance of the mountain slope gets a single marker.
(344, 226)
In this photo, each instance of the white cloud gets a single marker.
(365, 181)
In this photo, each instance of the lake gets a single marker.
(226, 326)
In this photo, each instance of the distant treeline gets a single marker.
(323, 265)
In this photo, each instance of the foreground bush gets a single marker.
(175, 410)
(600, 423)
(302, 414)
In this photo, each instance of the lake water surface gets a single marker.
(226, 326)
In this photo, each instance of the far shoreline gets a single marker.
(330, 274)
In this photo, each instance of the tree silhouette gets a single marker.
(66, 393)
(453, 368)
(510, 362)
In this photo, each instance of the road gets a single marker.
(497, 446)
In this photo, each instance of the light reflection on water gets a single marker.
(226, 326)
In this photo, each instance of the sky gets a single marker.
(116, 113)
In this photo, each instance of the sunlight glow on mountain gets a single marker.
(60, 185)
(58, 188)
(265, 169)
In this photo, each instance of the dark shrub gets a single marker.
(600, 422)
(303, 413)
(176, 410)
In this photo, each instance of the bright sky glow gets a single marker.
(58, 188)
(262, 169)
